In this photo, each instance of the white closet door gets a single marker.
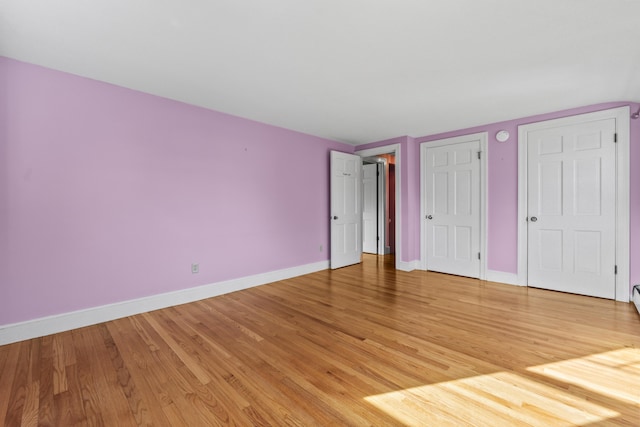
(572, 208)
(452, 210)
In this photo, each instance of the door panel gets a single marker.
(464, 243)
(440, 199)
(440, 243)
(551, 260)
(463, 193)
(452, 208)
(571, 203)
(346, 209)
(550, 188)
(587, 246)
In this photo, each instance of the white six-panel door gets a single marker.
(346, 209)
(451, 211)
(572, 208)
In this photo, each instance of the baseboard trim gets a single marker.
(503, 277)
(407, 265)
(77, 319)
(635, 292)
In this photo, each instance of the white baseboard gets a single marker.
(77, 319)
(635, 292)
(502, 277)
(407, 265)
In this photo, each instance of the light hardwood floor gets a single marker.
(363, 345)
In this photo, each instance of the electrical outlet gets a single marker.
(195, 268)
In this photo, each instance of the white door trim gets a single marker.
(395, 149)
(621, 115)
(483, 138)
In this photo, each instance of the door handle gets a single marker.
(335, 217)
(429, 217)
(534, 219)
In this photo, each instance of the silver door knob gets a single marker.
(534, 219)
(429, 217)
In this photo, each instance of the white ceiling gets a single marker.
(356, 71)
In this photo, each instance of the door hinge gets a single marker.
(615, 269)
(478, 255)
(615, 137)
(479, 154)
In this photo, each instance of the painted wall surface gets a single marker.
(503, 188)
(107, 194)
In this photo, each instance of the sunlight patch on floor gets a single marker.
(505, 398)
(615, 374)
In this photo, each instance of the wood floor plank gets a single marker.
(177, 349)
(137, 405)
(18, 395)
(9, 370)
(32, 402)
(94, 390)
(47, 409)
(361, 345)
(149, 371)
(69, 406)
(59, 366)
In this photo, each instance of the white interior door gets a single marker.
(346, 209)
(451, 221)
(572, 208)
(370, 209)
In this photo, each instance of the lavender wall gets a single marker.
(108, 194)
(503, 189)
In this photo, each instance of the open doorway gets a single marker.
(395, 203)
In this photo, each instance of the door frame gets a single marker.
(395, 150)
(482, 137)
(621, 115)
